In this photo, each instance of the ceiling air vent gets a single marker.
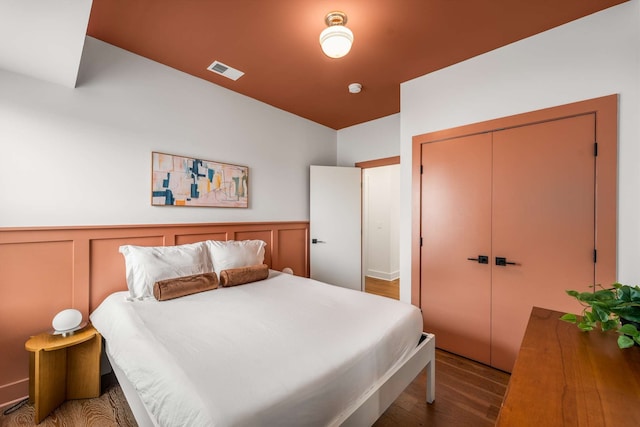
(224, 70)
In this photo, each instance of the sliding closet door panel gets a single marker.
(456, 218)
(543, 220)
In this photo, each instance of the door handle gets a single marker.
(314, 241)
(501, 261)
(482, 259)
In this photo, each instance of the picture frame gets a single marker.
(188, 181)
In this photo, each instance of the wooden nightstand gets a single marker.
(62, 368)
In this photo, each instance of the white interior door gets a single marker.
(335, 225)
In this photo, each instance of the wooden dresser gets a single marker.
(565, 377)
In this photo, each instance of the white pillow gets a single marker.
(145, 265)
(235, 253)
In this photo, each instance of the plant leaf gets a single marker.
(585, 326)
(587, 297)
(601, 313)
(605, 293)
(589, 317)
(573, 293)
(623, 293)
(630, 313)
(571, 318)
(629, 329)
(625, 342)
(634, 293)
(610, 324)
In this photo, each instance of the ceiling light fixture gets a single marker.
(336, 39)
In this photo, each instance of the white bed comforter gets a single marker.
(285, 351)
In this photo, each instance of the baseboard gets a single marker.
(382, 275)
(8, 392)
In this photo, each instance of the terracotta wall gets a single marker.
(45, 270)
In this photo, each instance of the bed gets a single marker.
(285, 351)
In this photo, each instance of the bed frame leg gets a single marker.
(431, 372)
(431, 382)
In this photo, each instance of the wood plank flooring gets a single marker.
(109, 410)
(467, 394)
(386, 288)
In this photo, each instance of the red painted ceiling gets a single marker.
(275, 42)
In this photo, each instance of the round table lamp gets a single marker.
(67, 321)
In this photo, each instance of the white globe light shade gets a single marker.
(336, 41)
(67, 319)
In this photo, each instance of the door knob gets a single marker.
(482, 259)
(314, 241)
(501, 261)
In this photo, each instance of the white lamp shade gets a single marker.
(67, 319)
(336, 41)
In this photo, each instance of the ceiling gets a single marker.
(275, 43)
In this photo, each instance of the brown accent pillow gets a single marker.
(242, 275)
(182, 286)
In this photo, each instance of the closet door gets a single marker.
(543, 220)
(456, 225)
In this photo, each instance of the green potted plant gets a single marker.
(614, 308)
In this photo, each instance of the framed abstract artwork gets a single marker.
(186, 181)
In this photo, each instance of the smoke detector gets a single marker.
(355, 88)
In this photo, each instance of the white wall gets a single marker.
(83, 156)
(380, 215)
(376, 139)
(592, 57)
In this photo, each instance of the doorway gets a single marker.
(380, 226)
